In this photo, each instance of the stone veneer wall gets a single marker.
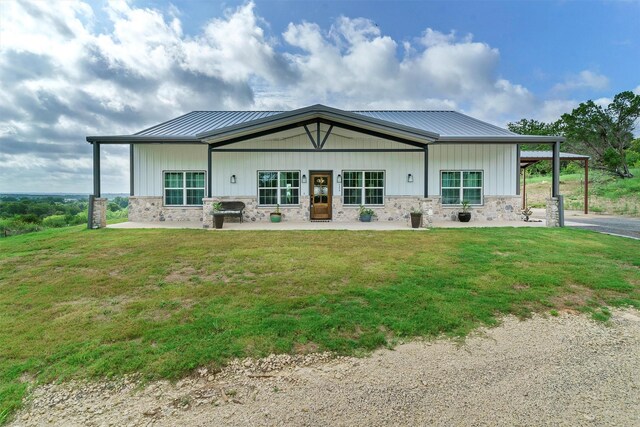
(151, 209)
(396, 208)
(553, 212)
(99, 217)
(495, 208)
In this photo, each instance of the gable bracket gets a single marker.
(313, 141)
(326, 136)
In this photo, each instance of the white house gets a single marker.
(322, 163)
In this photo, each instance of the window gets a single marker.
(278, 187)
(459, 186)
(363, 187)
(184, 188)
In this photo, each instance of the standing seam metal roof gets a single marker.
(444, 123)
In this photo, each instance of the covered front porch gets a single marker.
(317, 226)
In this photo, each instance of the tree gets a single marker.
(535, 127)
(604, 133)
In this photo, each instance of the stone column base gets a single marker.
(99, 213)
(553, 212)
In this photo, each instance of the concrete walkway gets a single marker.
(334, 225)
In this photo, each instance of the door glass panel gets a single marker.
(320, 189)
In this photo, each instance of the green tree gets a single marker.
(604, 133)
(535, 127)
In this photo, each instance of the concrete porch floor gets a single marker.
(300, 225)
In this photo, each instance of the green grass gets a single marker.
(76, 303)
(607, 194)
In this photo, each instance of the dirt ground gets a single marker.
(565, 370)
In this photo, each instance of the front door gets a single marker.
(320, 195)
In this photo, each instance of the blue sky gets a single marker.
(73, 68)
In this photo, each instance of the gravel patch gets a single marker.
(566, 370)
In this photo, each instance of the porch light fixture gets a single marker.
(409, 178)
(304, 178)
(339, 180)
(233, 179)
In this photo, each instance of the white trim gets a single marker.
(278, 188)
(462, 187)
(364, 187)
(184, 188)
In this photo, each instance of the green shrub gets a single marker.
(123, 213)
(80, 218)
(55, 221)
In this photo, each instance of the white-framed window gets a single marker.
(278, 188)
(363, 188)
(459, 186)
(184, 188)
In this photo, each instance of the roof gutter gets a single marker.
(142, 139)
(506, 139)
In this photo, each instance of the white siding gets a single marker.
(245, 166)
(149, 161)
(498, 161)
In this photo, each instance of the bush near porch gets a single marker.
(76, 303)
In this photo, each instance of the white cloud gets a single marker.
(637, 90)
(66, 79)
(585, 79)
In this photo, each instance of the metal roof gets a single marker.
(426, 125)
(444, 123)
(543, 155)
(528, 158)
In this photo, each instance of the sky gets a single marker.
(73, 68)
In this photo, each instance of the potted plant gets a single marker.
(218, 215)
(276, 216)
(366, 214)
(416, 217)
(465, 215)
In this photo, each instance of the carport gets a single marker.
(528, 158)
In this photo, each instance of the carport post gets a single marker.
(586, 186)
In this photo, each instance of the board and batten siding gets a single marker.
(498, 161)
(150, 160)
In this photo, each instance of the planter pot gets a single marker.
(464, 216)
(365, 218)
(218, 220)
(416, 220)
(275, 217)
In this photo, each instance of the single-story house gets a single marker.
(322, 164)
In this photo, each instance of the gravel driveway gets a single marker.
(566, 370)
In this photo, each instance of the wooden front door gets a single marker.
(320, 195)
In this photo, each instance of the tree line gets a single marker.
(603, 133)
(22, 214)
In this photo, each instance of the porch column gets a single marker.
(556, 169)
(96, 169)
(555, 205)
(209, 167)
(131, 186)
(426, 172)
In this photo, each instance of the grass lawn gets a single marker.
(76, 303)
(607, 194)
